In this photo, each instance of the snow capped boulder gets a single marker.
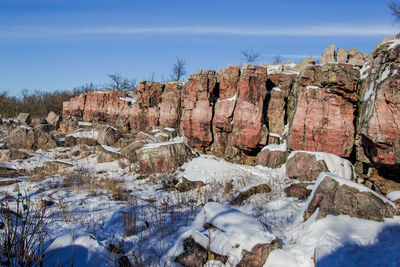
(162, 157)
(339, 196)
(378, 139)
(129, 152)
(272, 156)
(108, 136)
(321, 107)
(306, 166)
(329, 55)
(230, 235)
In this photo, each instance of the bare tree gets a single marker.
(178, 69)
(395, 8)
(120, 83)
(250, 56)
(277, 60)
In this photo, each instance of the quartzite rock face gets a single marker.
(198, 104)
(322, 109)
(170, 109)
(378, 140)
(278, 86)
(329, 55)
(304, 166)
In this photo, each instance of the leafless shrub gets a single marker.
(250, 55)
(24, 230)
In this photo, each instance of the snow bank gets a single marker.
(336, 165)
(393, 195)
(235, 231)
(84, 249)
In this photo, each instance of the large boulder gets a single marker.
(54, 119)
(108, 136)
(272, 156)
(378, 138)
(322, 105)
(129, 151)
(338, 196)
(69, 124)
(304, 166)
(356, 57)
(162, 157)
(329, 55)
(25, 118)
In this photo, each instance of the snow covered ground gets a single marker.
(100, 208)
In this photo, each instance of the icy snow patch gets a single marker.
(363, 71)
(277, 89)
(393, 195)
(86, 134)
(102, 92)
(84, 123)
(169, 129)
(161, 134)
(273, 147)
(234, 228)
(111, 149)
(129, 99)
(233, 98)
(370, 92)
(154, 145)
(336, 165)
(384, 75)
(312, 87)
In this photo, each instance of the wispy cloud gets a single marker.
(327, 30)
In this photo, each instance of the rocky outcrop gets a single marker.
(162, 157)
(258, 254)
(323, 103)
(31, 138)
(378, 138)
(338, 196)
(170, 109)
(342, 56)
(304, 64)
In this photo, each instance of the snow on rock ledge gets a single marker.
(225, 231)
(338, 196)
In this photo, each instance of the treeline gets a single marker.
(38, 103)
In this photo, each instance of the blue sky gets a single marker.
(62, 44)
